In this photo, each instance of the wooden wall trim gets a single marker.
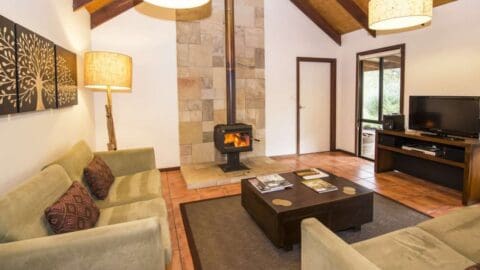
(333, 98)
(310, 12)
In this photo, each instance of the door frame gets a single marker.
(333, 98)
(358, 88)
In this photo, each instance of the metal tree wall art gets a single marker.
(66, 66)
(36, 71)
(8, 78)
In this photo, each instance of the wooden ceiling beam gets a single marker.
(309, 10)
(78, 4)
(111, 10)
(358, 14)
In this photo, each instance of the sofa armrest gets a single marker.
(323, 250)
(131, 245)
(126, 162)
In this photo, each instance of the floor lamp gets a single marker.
(110, 72)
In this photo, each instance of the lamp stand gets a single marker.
(112, 141)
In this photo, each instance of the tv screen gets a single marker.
(458, 116)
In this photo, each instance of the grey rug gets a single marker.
(222, 235)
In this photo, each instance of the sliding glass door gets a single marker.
(380, 93)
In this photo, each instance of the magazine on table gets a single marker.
(319, 185)
(270, 183)
(310, 174)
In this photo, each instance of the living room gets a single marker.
(239, 134)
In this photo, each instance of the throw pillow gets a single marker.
(73, 211)
(474, 267)
(98, 177)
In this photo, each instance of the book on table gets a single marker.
(319, 185)
(270, 183)
(312, 173)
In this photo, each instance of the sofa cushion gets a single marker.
(140, 210)
(459, 229)
(22, 209)
(411, 248)
(133, 188)
(98, 177)
(73, 211)
(75, 160)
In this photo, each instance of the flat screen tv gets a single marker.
(456, 116)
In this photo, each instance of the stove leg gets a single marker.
(233, 163)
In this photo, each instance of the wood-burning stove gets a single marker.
(232, 140)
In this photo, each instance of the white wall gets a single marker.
(148, 116)
(441, 59)
(29, 141)
(288, 34)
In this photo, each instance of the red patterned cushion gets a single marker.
(99, 177)
(74, 211)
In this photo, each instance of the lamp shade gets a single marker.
(108, 70)
(397, 14)
(178, 4)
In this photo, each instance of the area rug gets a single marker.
(209, 174)
(222, 235)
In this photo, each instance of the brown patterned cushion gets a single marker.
(74, 211)
(474, 267)
(98, 177)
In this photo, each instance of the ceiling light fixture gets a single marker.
(397, 14)
(178, 4)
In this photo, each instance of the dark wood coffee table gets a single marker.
(336, 210)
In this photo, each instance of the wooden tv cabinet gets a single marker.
(459, 168)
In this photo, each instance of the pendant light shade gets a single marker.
(178, 4)
(397, 14)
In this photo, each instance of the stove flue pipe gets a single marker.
(230, 60)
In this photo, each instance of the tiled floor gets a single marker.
(423, 196)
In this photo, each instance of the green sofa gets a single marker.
(132, 231)
(448, 242)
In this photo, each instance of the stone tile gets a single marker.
(219, 104)
(254, 38)
(186, 150)
(208, 137)
(208, 94)
(255, 103)
(184, 160)
(203, 152)
(259, 17)
(194, 105)
(245, 16)
(207, 83)
(219, 79)
(246, 62)
(245, 73)
(260, 73)
(188, 32)
(260, 58)
(218, 61)
(208, 126)
(200, 56)
(182, 55)
(220, 116)
(207, 110)
(189, 88)
(184, 116)
(191, 132)
(196, 116)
